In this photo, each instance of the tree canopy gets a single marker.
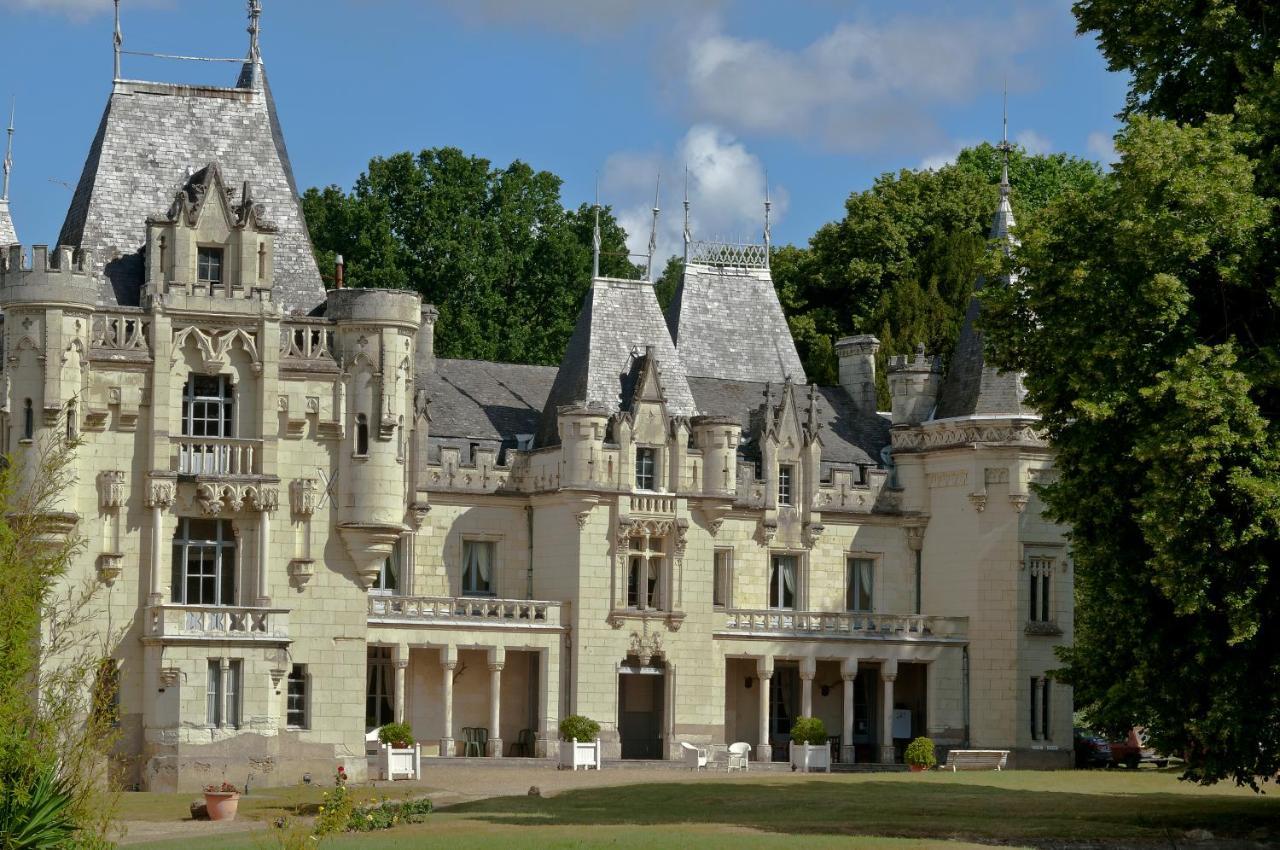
(493, 248)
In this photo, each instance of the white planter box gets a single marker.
(399, 764)
(806, 757)
(584, 754)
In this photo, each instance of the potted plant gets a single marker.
(579, 743)
(399, 756)
(221, 801)
(809, 747)
(919, 755)
(398, 735)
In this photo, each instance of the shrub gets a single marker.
(40, 816)
(335, 812)
(577, 727)
(396, 734)
(387, 814)
(920, 752)
(809, 730)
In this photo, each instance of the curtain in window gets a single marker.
(864, 585)
(655, 570)
(213, 694)
(483, 553)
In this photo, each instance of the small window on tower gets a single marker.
(209, 266)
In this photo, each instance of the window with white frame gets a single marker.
(783, 577)
(477, 567)
(859, 584)
(389, 576)
(204, 562)
(1041, 574)
(297, 698)
(721, 577)
(646, 468)
(1039, 708)
(646, 568)
(208, 410)
(786, 476)
(223, 693)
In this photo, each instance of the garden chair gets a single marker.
(695, 757)
(739, 755)
(523, 744)
(477, 740)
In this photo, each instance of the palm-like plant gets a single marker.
(39, 817)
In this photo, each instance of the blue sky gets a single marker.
(824, 94)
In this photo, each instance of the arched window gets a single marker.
(28, 421)
(362, 435)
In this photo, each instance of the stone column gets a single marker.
(764, 672)
(543, 735)
(846, 733)
(495, 707)
(808, 669)
(156, 596)
(224, 676)
(402, 665)
(264, 557)
(448, 665)
(888, 673)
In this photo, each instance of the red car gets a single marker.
(1134, 751)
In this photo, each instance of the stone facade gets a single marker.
(305, 525)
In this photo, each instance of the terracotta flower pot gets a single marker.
(917, 768)
(221, 805)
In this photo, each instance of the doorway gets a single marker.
(641, 694)
(784, 707)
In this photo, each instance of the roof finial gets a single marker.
(595, 236)
(688, 237)
(118, 40)
(653, 231)
(8, 152)
(768, 205)
(1004, 146)
(255, 14)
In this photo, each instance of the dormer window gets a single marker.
(209, 266)
(646, 464)
(785, 475)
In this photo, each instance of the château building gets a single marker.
(305, 525)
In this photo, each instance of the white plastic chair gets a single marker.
(695, 757)
(739, 755)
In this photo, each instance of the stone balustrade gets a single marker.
(646, 503)
(217, 623)
(838, 624)
(218, 456)
(463, 612)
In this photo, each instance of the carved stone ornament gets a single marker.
(110, 565)
(768, 531)
(215, 346)
(1019, 501)
(418, 513)
(169, 676)
(215, 499)
(303, 491)
(644, 646)
(161, 495)
(813, 533)
(111, 488)
(300, 572)
(979, 501)
(955, 434)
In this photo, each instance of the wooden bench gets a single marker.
(977, 759)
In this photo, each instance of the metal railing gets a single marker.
(217, 622)
(466, 611)
(850, 624)
(218, 456)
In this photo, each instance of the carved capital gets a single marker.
(979, 501)
(303, 494)
(161, 494)
(110, 565)
(169, 676)
(300, 571)
(1019, 501)
(111, 488)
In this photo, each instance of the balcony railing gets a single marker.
(464, 611)
(218, 456)
(217, 622)
(820, 624)
(646, 503)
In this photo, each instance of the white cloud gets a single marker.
(943, 157)
(1102, 147)
(1033, 142)
(862, 86)
(585, 18)
(726, 192)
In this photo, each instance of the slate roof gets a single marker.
(8, 234)
(727, 323)
(476, 400)
(971, 387)
(848, 435)
(149, 136)
(618, 320)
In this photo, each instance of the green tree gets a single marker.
(1132, 320)
(494, 249)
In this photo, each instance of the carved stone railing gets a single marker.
(217, 456)
(463, 612)
(839, 624)
(217, 623)
(120, 334)
(645, 503)
(307, 344)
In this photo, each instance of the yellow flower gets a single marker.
(322, 808)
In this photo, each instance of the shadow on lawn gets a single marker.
(911, 810)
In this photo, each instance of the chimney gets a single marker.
(913, 385)
(338, 268)
(424, 349)
(857, 356)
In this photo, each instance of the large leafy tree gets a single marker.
(493, 248)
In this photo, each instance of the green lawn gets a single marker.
(868, 810)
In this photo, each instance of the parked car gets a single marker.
(1134, 751)
(1090, 749)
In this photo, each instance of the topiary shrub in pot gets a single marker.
(809, 750)
(809, 730)
(575, 727)
(398, 735)
(919, 755)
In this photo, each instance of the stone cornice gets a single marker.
(1019, 431)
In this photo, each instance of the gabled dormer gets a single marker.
(210, 242)
(651, 442)
(790, 464)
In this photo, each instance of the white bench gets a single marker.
(977, 759)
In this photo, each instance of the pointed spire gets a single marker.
(255, 15)
(118, 40)
(688, 236)
(1002, 225)
(653, 230)
(595, 236)
(8, 152)
(768, 206)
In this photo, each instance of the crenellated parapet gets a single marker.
(913, 386)
(61, 278)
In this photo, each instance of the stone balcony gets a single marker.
(464, 612)
(847, 625)
(217, 623)
(217, 456)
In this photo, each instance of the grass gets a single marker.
(263, 805)
(867, 810)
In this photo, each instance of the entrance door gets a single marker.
(783, 709)
(640, 698)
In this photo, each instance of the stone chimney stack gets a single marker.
(858, 369)
(913, 386)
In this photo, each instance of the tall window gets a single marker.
(477, 567)
(1039, 708)
(785, 475)
(209, 266)
(204, 562)
(380, 688)
(296, 697)
(1041, 571)
(28, 421)
(646, 466)
(208, 410)
(362, 435)
(782, 581)
(722, 575)
(106, 694)
(388, 580)
(72, 422)
(223, 694)
(858, 590)
(645, 568)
